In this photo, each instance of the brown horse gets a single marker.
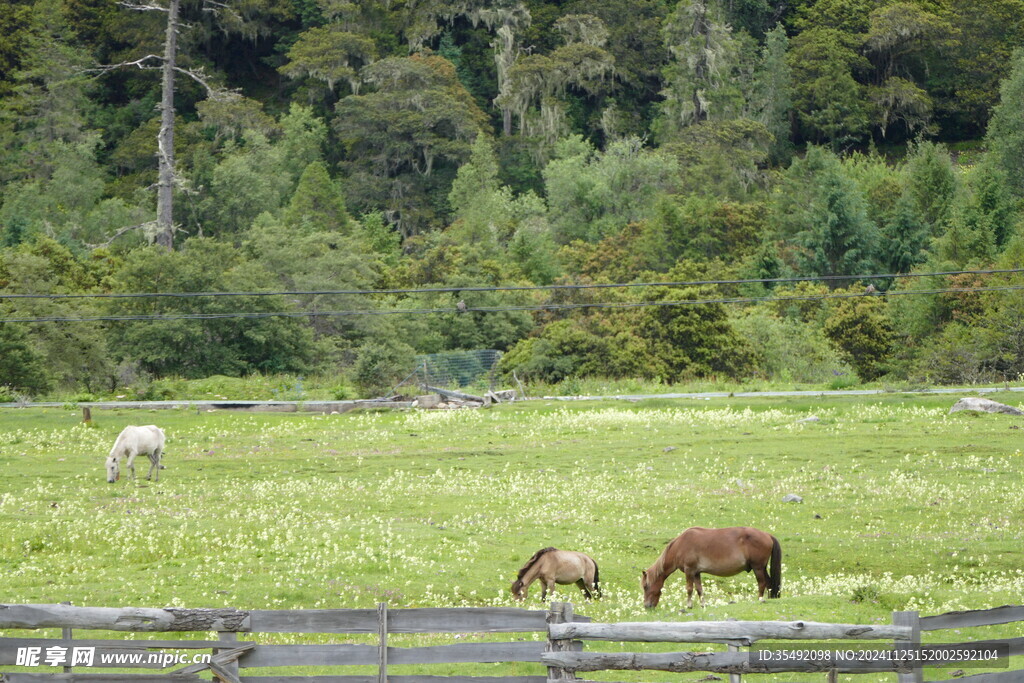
(551, 566)
(722, 552)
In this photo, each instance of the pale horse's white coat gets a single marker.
(133, 441)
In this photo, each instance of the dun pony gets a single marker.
(134, 441)
(551, 566)
(722, 552)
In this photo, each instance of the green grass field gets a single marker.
(904, 507)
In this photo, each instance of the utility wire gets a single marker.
(512, 288)
(503, 309)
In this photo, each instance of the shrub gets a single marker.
(791, 351)
(861, 331)
(558, 353)
(380, 366)
(22, 368)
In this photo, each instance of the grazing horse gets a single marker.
(134, 441)
(722, 552)
(551, 566)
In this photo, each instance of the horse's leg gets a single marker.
(527, 580)
(131, 464)
(582, 584)
(762, 582)
(154, 463)
(700, 588)
(689, 589)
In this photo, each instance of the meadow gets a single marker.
(905, 507)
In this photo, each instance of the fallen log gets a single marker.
(454, 394)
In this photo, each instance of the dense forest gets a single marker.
(662, 189)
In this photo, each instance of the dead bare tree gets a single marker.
(167, 177)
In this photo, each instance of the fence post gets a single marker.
(911, 619)
(382, 630)
(734, 678)
(68, 634)
(560, 613)
(230, 666)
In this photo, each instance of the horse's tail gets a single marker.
(597, 579)
(532, 561)
(775, 572)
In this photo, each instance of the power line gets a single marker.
(511, 288)
(501, 309)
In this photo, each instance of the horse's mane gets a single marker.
(658, 568)
(117, 450)
(532, 561)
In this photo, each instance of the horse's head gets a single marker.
(113, 470)
(517, 590)
(651, 588)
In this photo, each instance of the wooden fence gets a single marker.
(560, 650)
(905, 633)
(231, 655)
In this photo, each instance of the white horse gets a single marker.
(134, 441)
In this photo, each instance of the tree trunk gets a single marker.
(165, 140)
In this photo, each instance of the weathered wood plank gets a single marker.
(219, 664)
(122, 618)
(314, 621)
(232, 666)
(105, 648)
(715, 662)
(485, 653)
(311, 679)
(911, 620)
(981, 617)
(133, 645)
(735, 632)
(142, 619)
(415, 620)
(992, 677)
(382, 642)
(560, 613)
(1014, 645)
(98, 678)
(394, 679)
(342, 654)
(10, 659)
(468, 620)
(354, 655)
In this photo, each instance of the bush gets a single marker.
(860, 329)
(558, 353)
(791, 351)
(694, 340)
(955, 356)
(380, 366)
(22, 368)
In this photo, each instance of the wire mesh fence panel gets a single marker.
(454, 369)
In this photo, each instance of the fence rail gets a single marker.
(561, 650)
(170, 619)
(230, 655)
(904, 632)
(729, 632)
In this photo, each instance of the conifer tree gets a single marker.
(1005, 136)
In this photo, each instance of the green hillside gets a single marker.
(763, 175)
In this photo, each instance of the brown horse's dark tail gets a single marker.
(597, 579)
(775, 571)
